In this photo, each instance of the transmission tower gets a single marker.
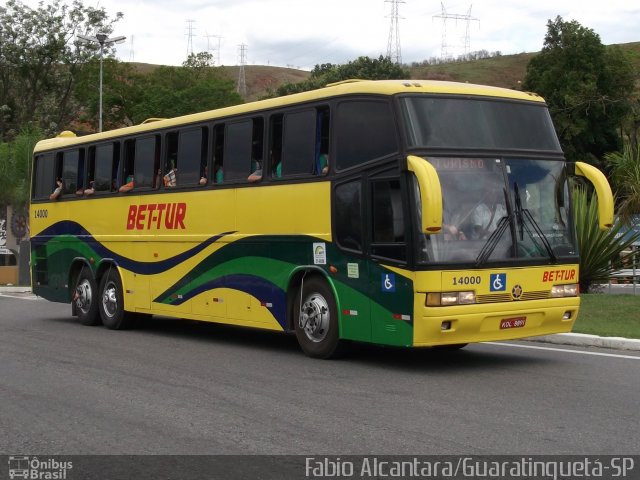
(393, 44)
(131, 56)
(242, 84)
(190, 37)
(444, 51)
(216, 50)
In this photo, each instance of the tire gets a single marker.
(316, 320)
(112, 302)
(85, 299)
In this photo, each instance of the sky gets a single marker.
(304, 33)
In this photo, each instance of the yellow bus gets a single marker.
(406, 213)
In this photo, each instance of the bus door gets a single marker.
(391, 288)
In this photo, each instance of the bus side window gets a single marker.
(192, 155)
(218, 154)
(71, 170)
(348, 215)
(126, 182)
(299, 143)
(322, 142)
(171, 160)
(91, 172)
(104, 168)
(43, 176)
(367, 132)
(146, 162)
(275, 145)
(387, 220)
(243, 148)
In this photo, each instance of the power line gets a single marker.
(393, 43)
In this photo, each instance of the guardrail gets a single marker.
(632, 273)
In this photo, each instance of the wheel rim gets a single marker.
(110, 299)
(84, 296)
(315, 317)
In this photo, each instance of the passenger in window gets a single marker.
(323, 164)
(256, 176)
(219, 177)
(58, 191)
(276, 165)
(128, 186)
(203, 177)
(157, 179)
(91, 190)
(488, 213)
(171, 178)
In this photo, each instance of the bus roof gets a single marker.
(348, 87)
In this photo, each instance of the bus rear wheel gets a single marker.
(112, 302)
(316, 320)
(85, 298)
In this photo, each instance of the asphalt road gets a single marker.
(180, 387)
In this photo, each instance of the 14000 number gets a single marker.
(473, 280)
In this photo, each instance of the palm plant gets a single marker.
(601, 252)
(625, 177)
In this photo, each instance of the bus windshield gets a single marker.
(500, 209)
(463, 123)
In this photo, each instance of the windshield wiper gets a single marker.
(523, 214)
(492, 242)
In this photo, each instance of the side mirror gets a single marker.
(603, 191)
(430, 194)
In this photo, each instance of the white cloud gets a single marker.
(304, 33)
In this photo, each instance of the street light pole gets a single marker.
(103, 40)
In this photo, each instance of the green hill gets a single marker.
(503, 71)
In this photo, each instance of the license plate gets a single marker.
(516, 322)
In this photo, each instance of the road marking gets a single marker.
(580, 352)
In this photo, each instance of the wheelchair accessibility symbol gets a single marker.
(388, 282)
(498, 282)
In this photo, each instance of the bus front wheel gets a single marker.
(316, 320)
(112, 302)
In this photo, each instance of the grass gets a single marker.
(609, 315)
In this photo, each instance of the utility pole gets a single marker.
(103, 40)
(242, 84)
(393, 43)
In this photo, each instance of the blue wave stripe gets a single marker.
(263, 290)
(144, 268)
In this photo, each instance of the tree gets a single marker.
(174, 91)
(364, 68)
(119, 91)
(15, 168)
(586, 85)
(39, 62)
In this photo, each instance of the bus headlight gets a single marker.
(570, 290)
(438, 299)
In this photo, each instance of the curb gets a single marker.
(14, 289)
(576, 339)
(584, 340)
